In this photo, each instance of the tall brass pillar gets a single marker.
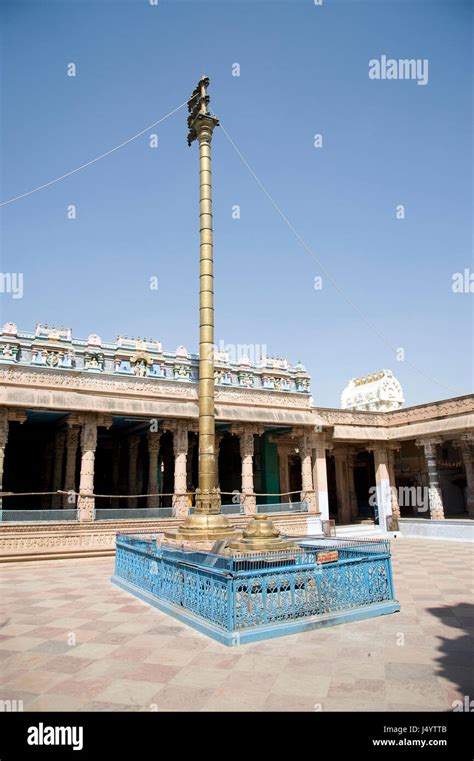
(207, 522)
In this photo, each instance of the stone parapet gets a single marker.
(47, 541)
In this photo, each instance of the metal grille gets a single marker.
(13, 516)
(112, 514)
(243, 592)
(283, 507)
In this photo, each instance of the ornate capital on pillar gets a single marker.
(153, 439)
(429, 446)
(60, 438)
(92, 418)
(305, 445)
(380, 451)
(133, 443)
(180, 438)
(73, 432)
(465, 445)
(320, 441)
(246, 441)
(16, 416)
(104, 421)
(3, 427)
(89, 436)
(9, 415)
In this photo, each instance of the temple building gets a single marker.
(95, 436)
(380, 392)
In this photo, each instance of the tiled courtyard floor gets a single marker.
(70, 640)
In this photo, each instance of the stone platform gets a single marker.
(128, 656)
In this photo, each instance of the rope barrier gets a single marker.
(242, 495)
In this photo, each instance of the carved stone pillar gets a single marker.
(3, 443)
(351, 457)
(342, 487)
(393, 484)
(283, 470)
(307, 488)
(59, 444)
(72, 443)
(382, 485)
(465, 445)
(133, 443)
(86, 501)
(218, 442)
(320, 478)
(140, 477)
(7, 415)
(246, 441)
(47, 479)
(434, 490)
(153, 450)
(180, 448)
(117, 451)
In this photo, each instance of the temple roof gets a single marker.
(56, 348)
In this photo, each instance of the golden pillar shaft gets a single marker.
(207, 461)
(207, 522)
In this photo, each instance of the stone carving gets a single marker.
(94, 361)
(24, 541)
(94, 340)
(182, 372)
(9, 329)
(378, 392)
(144, 358)
(53, 333)
(9, 352)
(246, 379)
(302, 384)
(222, 376)
(448, 407)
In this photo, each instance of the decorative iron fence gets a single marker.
(35, 516)
(112, 514)
(283, 507)
(239, 593)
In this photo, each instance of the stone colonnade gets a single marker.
(80, 432)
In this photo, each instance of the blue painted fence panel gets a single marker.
(238, 593)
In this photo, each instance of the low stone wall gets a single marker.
(46, 541)
(455, 529)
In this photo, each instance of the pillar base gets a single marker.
(250, 503)
(261, 535)
(310, 498)
(85, 507)
(207, 523)
(204, 527)
(180, 506)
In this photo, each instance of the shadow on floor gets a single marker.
(456, 655)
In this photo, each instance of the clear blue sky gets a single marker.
(304, 70)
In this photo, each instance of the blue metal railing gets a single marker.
(112, 514)
(238, 592)
(283, 507)
(35, 516)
